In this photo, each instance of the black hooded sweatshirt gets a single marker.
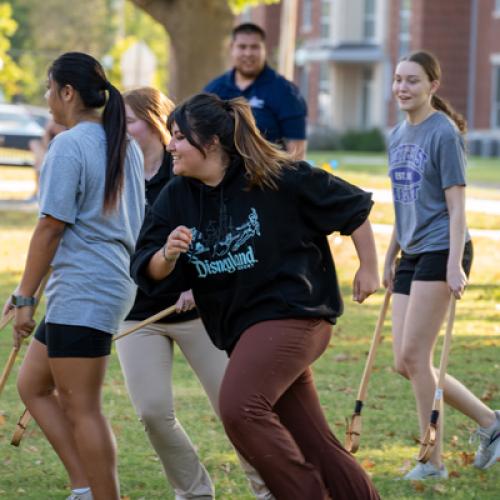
(145, 305)
(256, 254)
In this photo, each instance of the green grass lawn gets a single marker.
(389, 421)
(372, 168)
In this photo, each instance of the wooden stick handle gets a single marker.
(15, 350)
(21, 425)
(162, 314)
(6, 319)
(8, 367)
(373, 348)
(443, 364)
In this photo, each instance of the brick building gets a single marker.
(347, 50)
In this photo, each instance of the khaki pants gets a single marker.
(146, 359)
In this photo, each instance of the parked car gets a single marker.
(17, 127)
(38, 113)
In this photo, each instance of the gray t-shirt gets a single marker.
(90, 283)
(424, 160)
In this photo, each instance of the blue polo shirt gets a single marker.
(279, 109)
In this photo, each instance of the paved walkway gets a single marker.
(379, 195)
(473, 204)
(479, 233)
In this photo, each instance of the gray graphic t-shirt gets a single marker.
(424, 160)
(90, 283)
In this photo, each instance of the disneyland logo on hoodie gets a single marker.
(227, 254)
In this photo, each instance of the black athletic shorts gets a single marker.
(428, 266)
(69, 341)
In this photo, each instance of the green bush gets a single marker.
(363, 140)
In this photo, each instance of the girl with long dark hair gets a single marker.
(246, 228)
(91, 210)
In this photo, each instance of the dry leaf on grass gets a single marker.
(466, 458)
(487, 395)
(454, 473)
(418, 486)
(2, 420)
(339, 358)
(439, 488)
(368, 464)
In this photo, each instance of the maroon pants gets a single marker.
(271, 412)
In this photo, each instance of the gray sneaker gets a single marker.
(426, 471)
(489, 445)
(81, 496)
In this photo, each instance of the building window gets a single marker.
(496, 97)
(366, 97)
(307, 15)
(369, 21)
(324, 95)
(404, 27)
(324, 28)
(497, 7)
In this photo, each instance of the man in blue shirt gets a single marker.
(279, 109)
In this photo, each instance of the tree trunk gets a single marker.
(198, 31)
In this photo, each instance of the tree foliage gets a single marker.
(195, 31)
(240, 5)
(51, 27)
(138, 25)
(10, 73)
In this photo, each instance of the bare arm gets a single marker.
(297, 148)
(162, 263)
(390, 258)
(455, 275)
(366, 280)
(43, 246)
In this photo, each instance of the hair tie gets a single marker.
(107, 85)
(227, 106)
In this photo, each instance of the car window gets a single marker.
(14, 119)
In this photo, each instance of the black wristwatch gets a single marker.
(20, 301)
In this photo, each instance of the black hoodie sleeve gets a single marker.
(328, 203)
(153, 235)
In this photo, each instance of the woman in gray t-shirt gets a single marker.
(427, 171)
(91, 210)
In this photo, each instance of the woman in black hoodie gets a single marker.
(246, 229)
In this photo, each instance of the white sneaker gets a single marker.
(426, 471)
(81, 496)
(489, 445)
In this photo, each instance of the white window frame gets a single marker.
(366, 101)
(370, 19)
(404, 36)
(307, 16)
(496, 9)
(495, 97)
(324, 94)
(325, 21)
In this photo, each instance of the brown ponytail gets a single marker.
(204, 116)
(432, 68)
(443, 105)
(263, 160)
